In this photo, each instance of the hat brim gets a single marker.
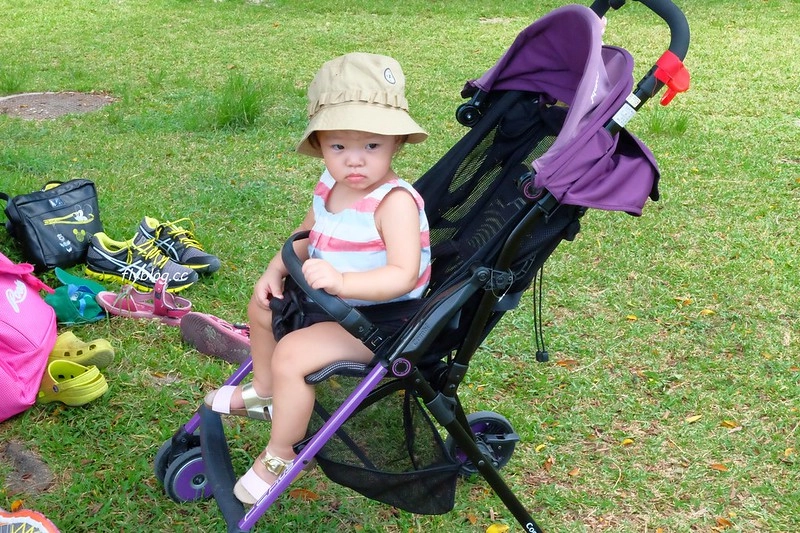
(361, 116)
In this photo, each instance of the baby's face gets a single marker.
(357, 159)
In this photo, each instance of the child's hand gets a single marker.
(269, 285)
(321, 275)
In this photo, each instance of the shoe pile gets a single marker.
(158, 250)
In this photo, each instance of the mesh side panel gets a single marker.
(389, 451)
(482, 200)
(467, 169)
(475, 211)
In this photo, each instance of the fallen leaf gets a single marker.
(683, 300)
(788, 451)
(567, 363)
(472, 519)
(692, 419)
(304, 494)
(16, 505)
(574, 472)
(548, 463)
(724, 523)
(631, 318)
(497, 528)
(708, 312)
(627, 442)
(540, 447)
(730, 424)
(719, 467)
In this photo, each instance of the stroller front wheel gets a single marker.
(162, 460)
(185, 479)
(494, 435)
(468, 115)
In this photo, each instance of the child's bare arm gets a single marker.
(271, 281)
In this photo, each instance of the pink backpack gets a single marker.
(27, 336)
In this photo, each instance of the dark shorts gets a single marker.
(295, 311)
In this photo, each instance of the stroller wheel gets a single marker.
(494, 435)
(468, 115)
(172, 448)
(185, 479)
(161, 462)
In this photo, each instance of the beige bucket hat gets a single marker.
(362, 92)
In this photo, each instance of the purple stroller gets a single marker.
(546, 143)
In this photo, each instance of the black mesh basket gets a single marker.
(389, 450)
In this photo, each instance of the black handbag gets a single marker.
(54, 226)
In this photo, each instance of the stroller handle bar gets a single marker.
(349, 317)
(668, 11)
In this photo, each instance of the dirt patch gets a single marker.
(43, 106)
(29, 475)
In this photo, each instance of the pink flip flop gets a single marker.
(157, 303)
(214, 336)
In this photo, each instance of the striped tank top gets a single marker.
(349, 240)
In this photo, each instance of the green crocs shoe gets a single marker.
(71, 383)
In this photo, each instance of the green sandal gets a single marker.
(71, 383)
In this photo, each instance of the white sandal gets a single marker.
(255, 406)
(251, 487)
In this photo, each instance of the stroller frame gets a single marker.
(195, 462)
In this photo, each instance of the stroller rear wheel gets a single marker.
(494, 435)
(185, 478)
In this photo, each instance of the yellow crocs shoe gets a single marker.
(71, 383)
(98, 352)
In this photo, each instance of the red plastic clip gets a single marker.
(671, 72)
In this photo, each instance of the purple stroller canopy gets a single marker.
(562, 56)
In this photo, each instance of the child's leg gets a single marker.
(262, 346)
(298, 354)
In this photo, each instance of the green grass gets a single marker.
(671, 400)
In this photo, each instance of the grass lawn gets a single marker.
(672, 399)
